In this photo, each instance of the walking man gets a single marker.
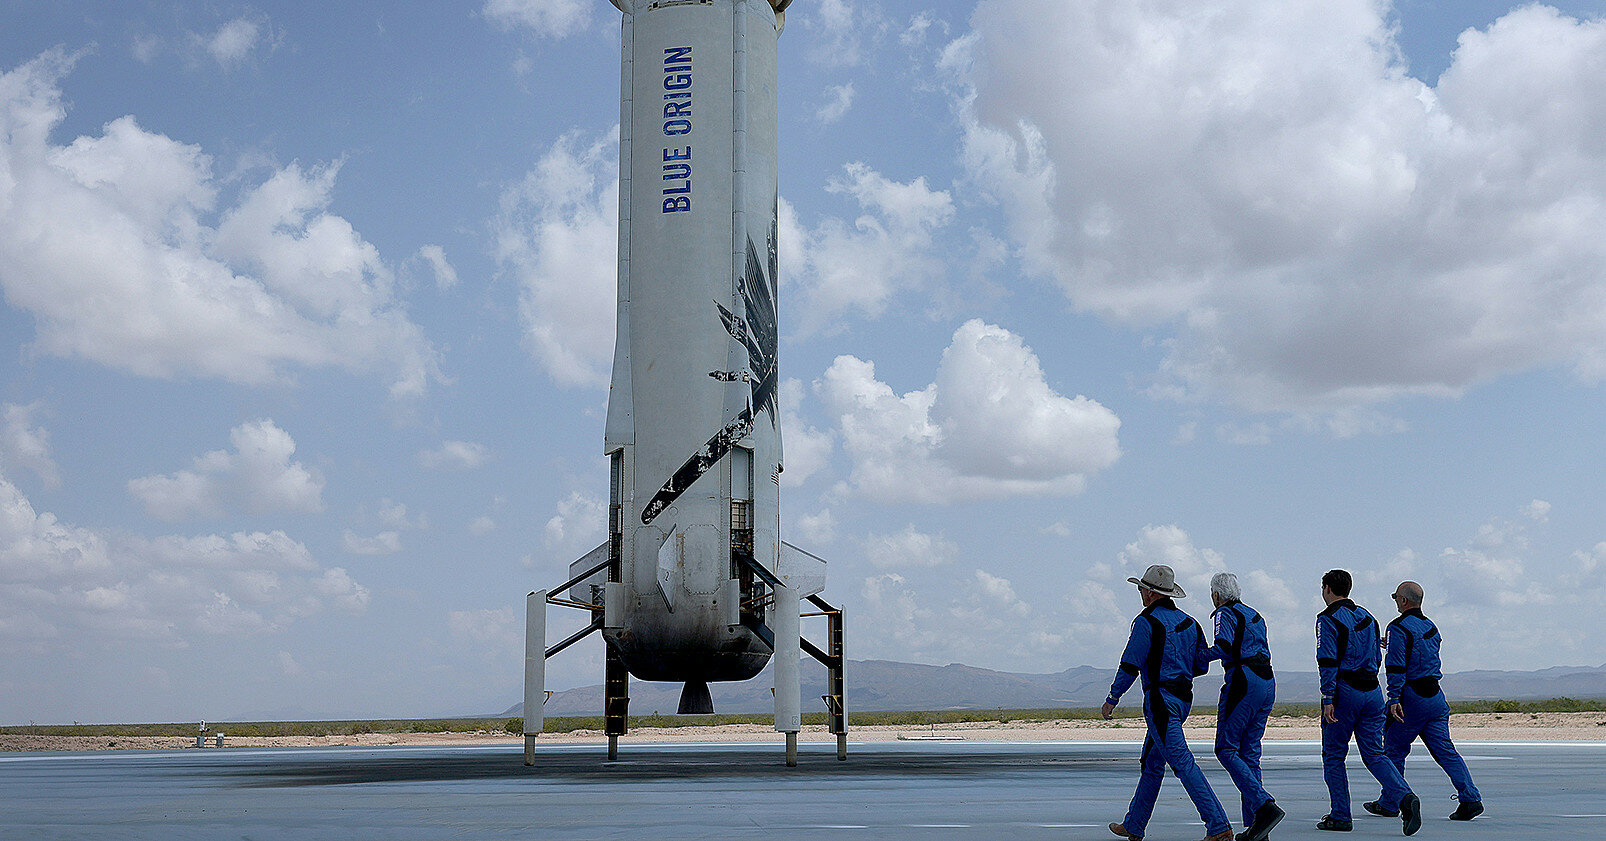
(1246, 699)
(1348, 649)
(1416, 704)
(1167, 649)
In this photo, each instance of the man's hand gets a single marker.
(1396, 711)
(1329, 714)
(1108, 710)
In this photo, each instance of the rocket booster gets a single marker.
(692, 431)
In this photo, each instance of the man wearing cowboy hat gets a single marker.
(1167, 649)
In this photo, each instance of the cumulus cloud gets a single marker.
(454, 455)
(807, 450)
(1498, 577)
(1171, 546)
(1313, 228)
(550, 18)
(859, 267)
(989, 427)
(116, 247)
(999, 628)
(26, 444)
(557, 233)
(578, 524)
(257, 477)
(67, 585)
(909, 548)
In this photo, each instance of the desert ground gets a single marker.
(1470, 727)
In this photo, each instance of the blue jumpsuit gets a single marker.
(1246, 699)
(1167, 649)
(1348, 649)
(1413, 678)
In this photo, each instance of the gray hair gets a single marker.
(1225, 585)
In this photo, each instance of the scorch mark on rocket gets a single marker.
(759, 334)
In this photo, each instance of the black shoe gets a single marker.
(1333, 824)
(1266, 817)
(1467, 811)
(1376, 808)
(1411, 813)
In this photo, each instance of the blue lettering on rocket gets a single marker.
(677, 122)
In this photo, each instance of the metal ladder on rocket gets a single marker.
(800, 578)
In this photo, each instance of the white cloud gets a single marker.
(233, 42)
(394, 515)
(257, 477)
(817, 529)
(454, 455)
(115, 245)
(383, 543)
(845, 33)
(481, 525)
(578, 524)
(1319, 230)
(557, 232)
(838, 99)
(807, 450)
(489, 634)
(887, 249)
(1170, 545)
(989, 427)
(551, 18)
(288, 665)
(25, 444)
(67, 586)
(909, 548)
(978, 619)
(435, 257)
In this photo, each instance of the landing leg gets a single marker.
(534, 671)
(616, 703)
(788, 651)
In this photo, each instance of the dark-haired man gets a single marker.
(1417, 706)
(1348, 651)
(1167, 649)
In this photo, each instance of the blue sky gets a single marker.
(308, 317)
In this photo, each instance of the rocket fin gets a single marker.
(801, 570)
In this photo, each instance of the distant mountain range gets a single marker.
(884, 685)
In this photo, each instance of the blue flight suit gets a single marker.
(1167, 648)
(1348, 651)
(1246, 699)
(1413, 680)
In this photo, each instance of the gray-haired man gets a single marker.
(1246, 699)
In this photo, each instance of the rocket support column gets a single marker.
(788, 653)
(534, 671)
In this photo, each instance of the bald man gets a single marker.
(1417, 707)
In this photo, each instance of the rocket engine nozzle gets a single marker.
(695, 700)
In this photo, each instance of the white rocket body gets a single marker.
(692, 431)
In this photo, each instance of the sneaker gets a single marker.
(1411, 813)
(1266, 817)
(1121, 831)
(1333, 824)
(1376, 808)
(1467, 811)
(1224, 835)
